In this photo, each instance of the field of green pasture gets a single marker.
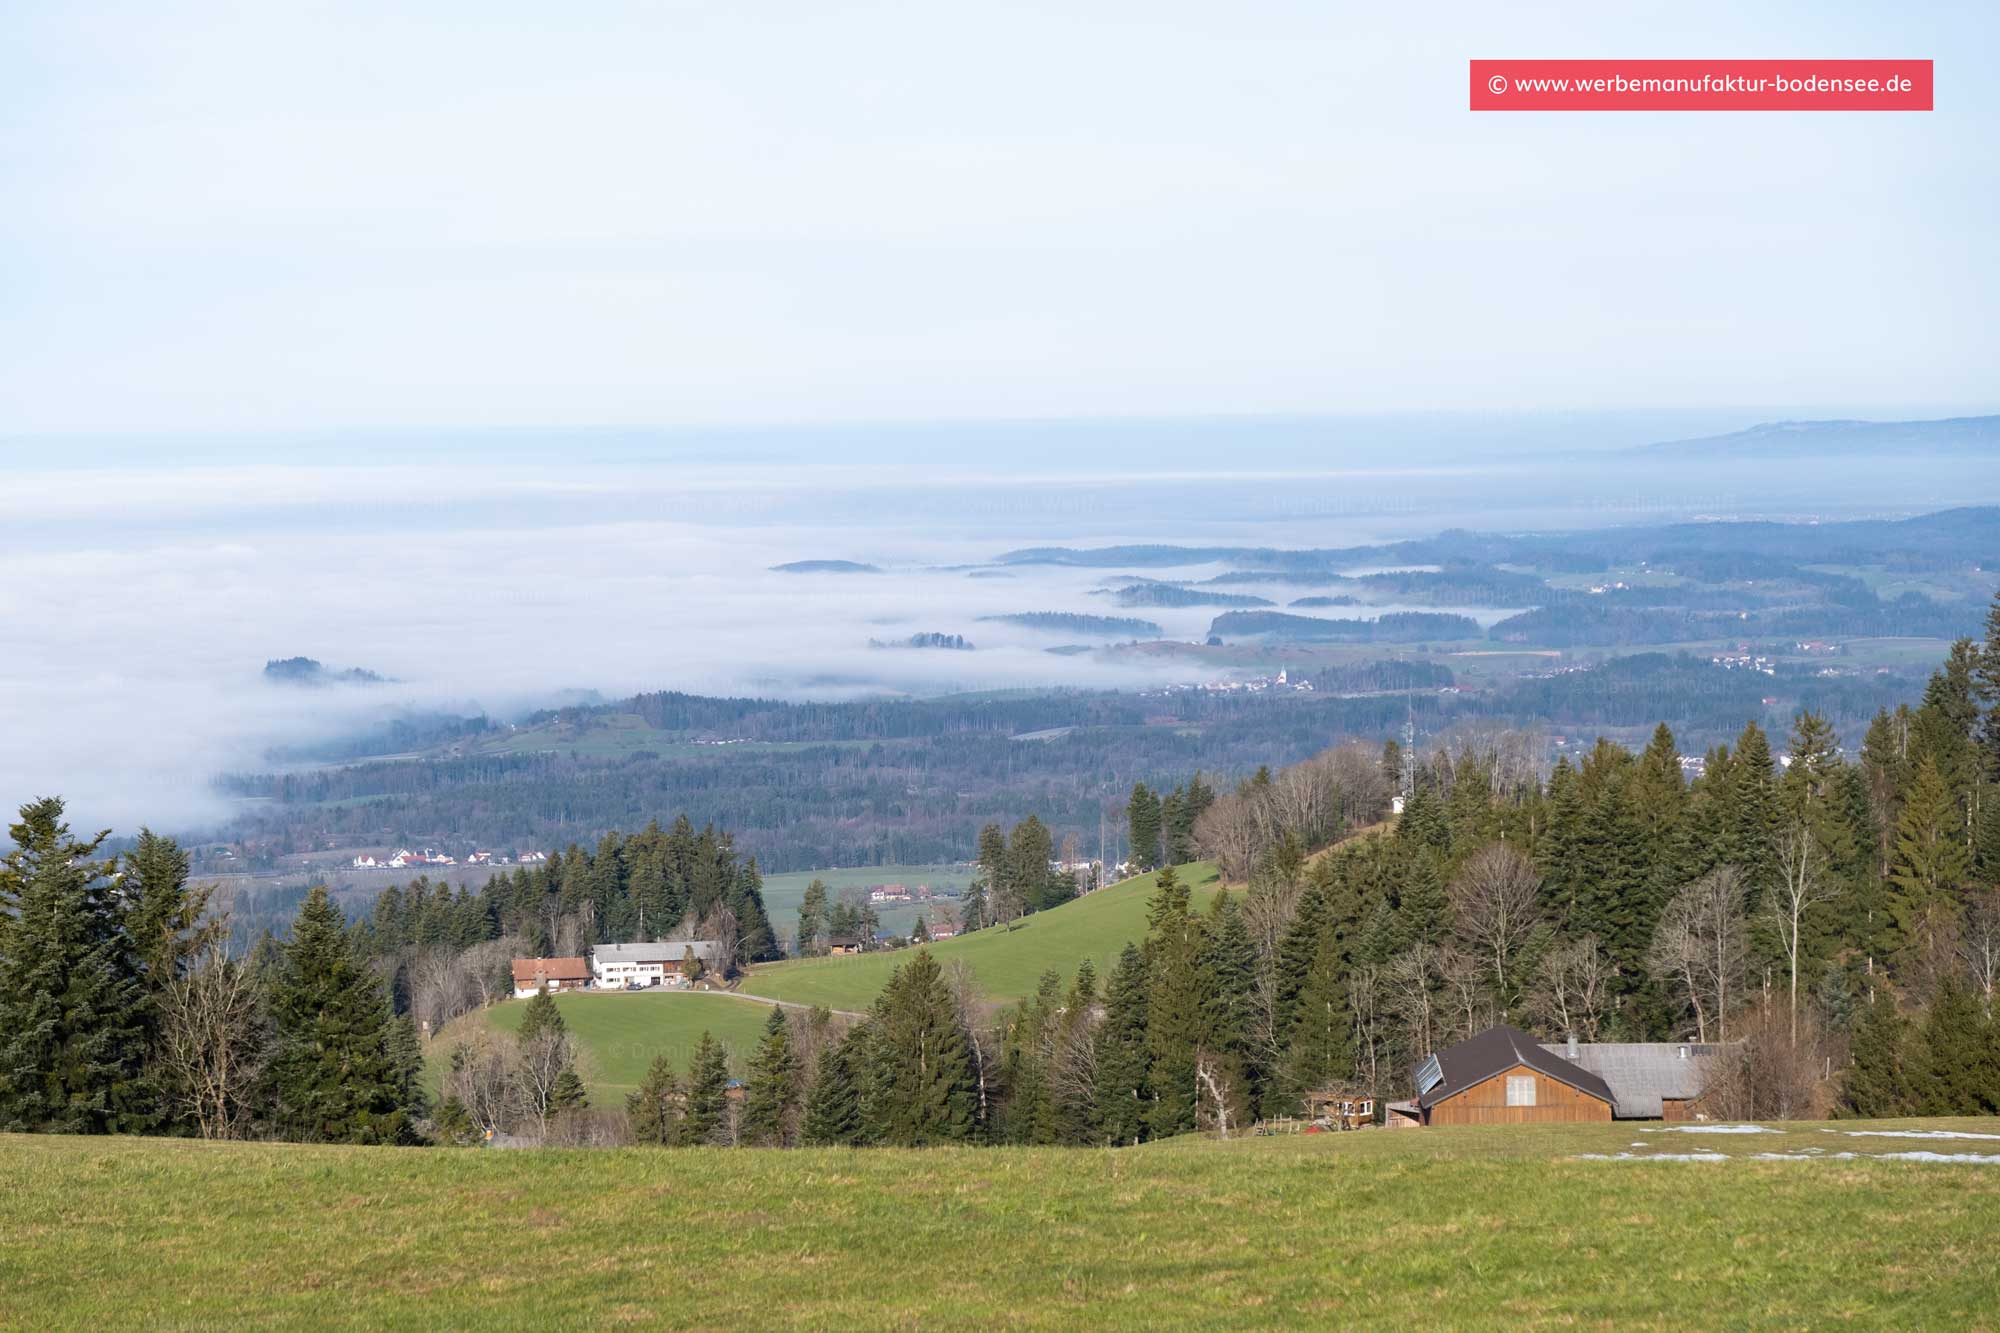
(621, 1033)
(1006, 961)
(1539, 1226)
(785, 891)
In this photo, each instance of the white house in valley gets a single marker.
(617, 966)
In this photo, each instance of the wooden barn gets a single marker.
(1503, 1076)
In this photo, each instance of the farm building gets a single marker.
(1649, 1080)
(532, 975)
(657, 963)
(1503, 1076)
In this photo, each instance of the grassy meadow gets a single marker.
(1481, 1226)
(784, 892)
(1006, 962)
(621, 1033)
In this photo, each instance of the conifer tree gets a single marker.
(1877, 1084)
(335, 1076)
(1173, 1010)
(972, 908)
(1927, 870)
(771, 1094)
(1321, 1037)
(654, 1110)
(1228, 963)
(707, 1118)
(1143, 815)
(812, 919)
(1123, 1086)
(921, 1061)
(1951, 1064)
(833, 1107)
(72, 1043)
(163, 916)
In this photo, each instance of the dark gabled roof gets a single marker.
(1497, 1050)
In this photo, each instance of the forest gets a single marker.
(1830, 925)
(912, 781)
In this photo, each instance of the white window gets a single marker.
(1520, 1090)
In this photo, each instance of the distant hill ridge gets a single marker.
(1791, 439)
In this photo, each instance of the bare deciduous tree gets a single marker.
(211, 1043)
(1699, 947)
(1411, 978)
(1982, 945)
(1227, 833)
(1572, 991)
(982, 1041)
(481, 1075)
(1777, 1071)
(1495, 907)
(1466, 996)
(1804, 883)
(1364, 997)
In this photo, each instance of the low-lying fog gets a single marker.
(142, 593)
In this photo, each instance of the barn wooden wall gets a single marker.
(1486, 1103)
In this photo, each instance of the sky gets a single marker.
(238, 217)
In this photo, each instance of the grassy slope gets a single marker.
(621, 1033)
(1007, 963)
(1486, 1226)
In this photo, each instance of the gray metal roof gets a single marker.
(669, 952)
(1497, 1050)
(1642, 1074)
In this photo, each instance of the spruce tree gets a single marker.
(1927, 871)
(833, 1107)
(72, 1039)
(1143, 815)
(922, 1065)
(1320, 1049)
(163, 916)
(770, 1095)
(335, 1076)
(707, 1118)
(1173, 1012)
(1877, 1084)
(1123, 1086)
(1951, 1064)
(812, 919)
(655, 1109)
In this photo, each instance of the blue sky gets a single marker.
(244, 217)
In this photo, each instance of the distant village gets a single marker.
(403, 859)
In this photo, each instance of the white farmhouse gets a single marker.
(616, 966)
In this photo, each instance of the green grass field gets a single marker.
(1434, 1228)
(784, 892)
(1006, 963)
(622, 1033)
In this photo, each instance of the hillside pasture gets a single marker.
(621, 1032)
(1541, 1226)
(1006, 961)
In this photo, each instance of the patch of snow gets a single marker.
(1720, 1129)
(1914, 1134)
(1920, 1156)
(1653, 1157)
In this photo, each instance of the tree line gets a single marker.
(122, 1012)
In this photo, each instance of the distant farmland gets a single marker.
(1434, 1228)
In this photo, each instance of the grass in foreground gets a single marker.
(1457, 1227)
(1006, 962)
